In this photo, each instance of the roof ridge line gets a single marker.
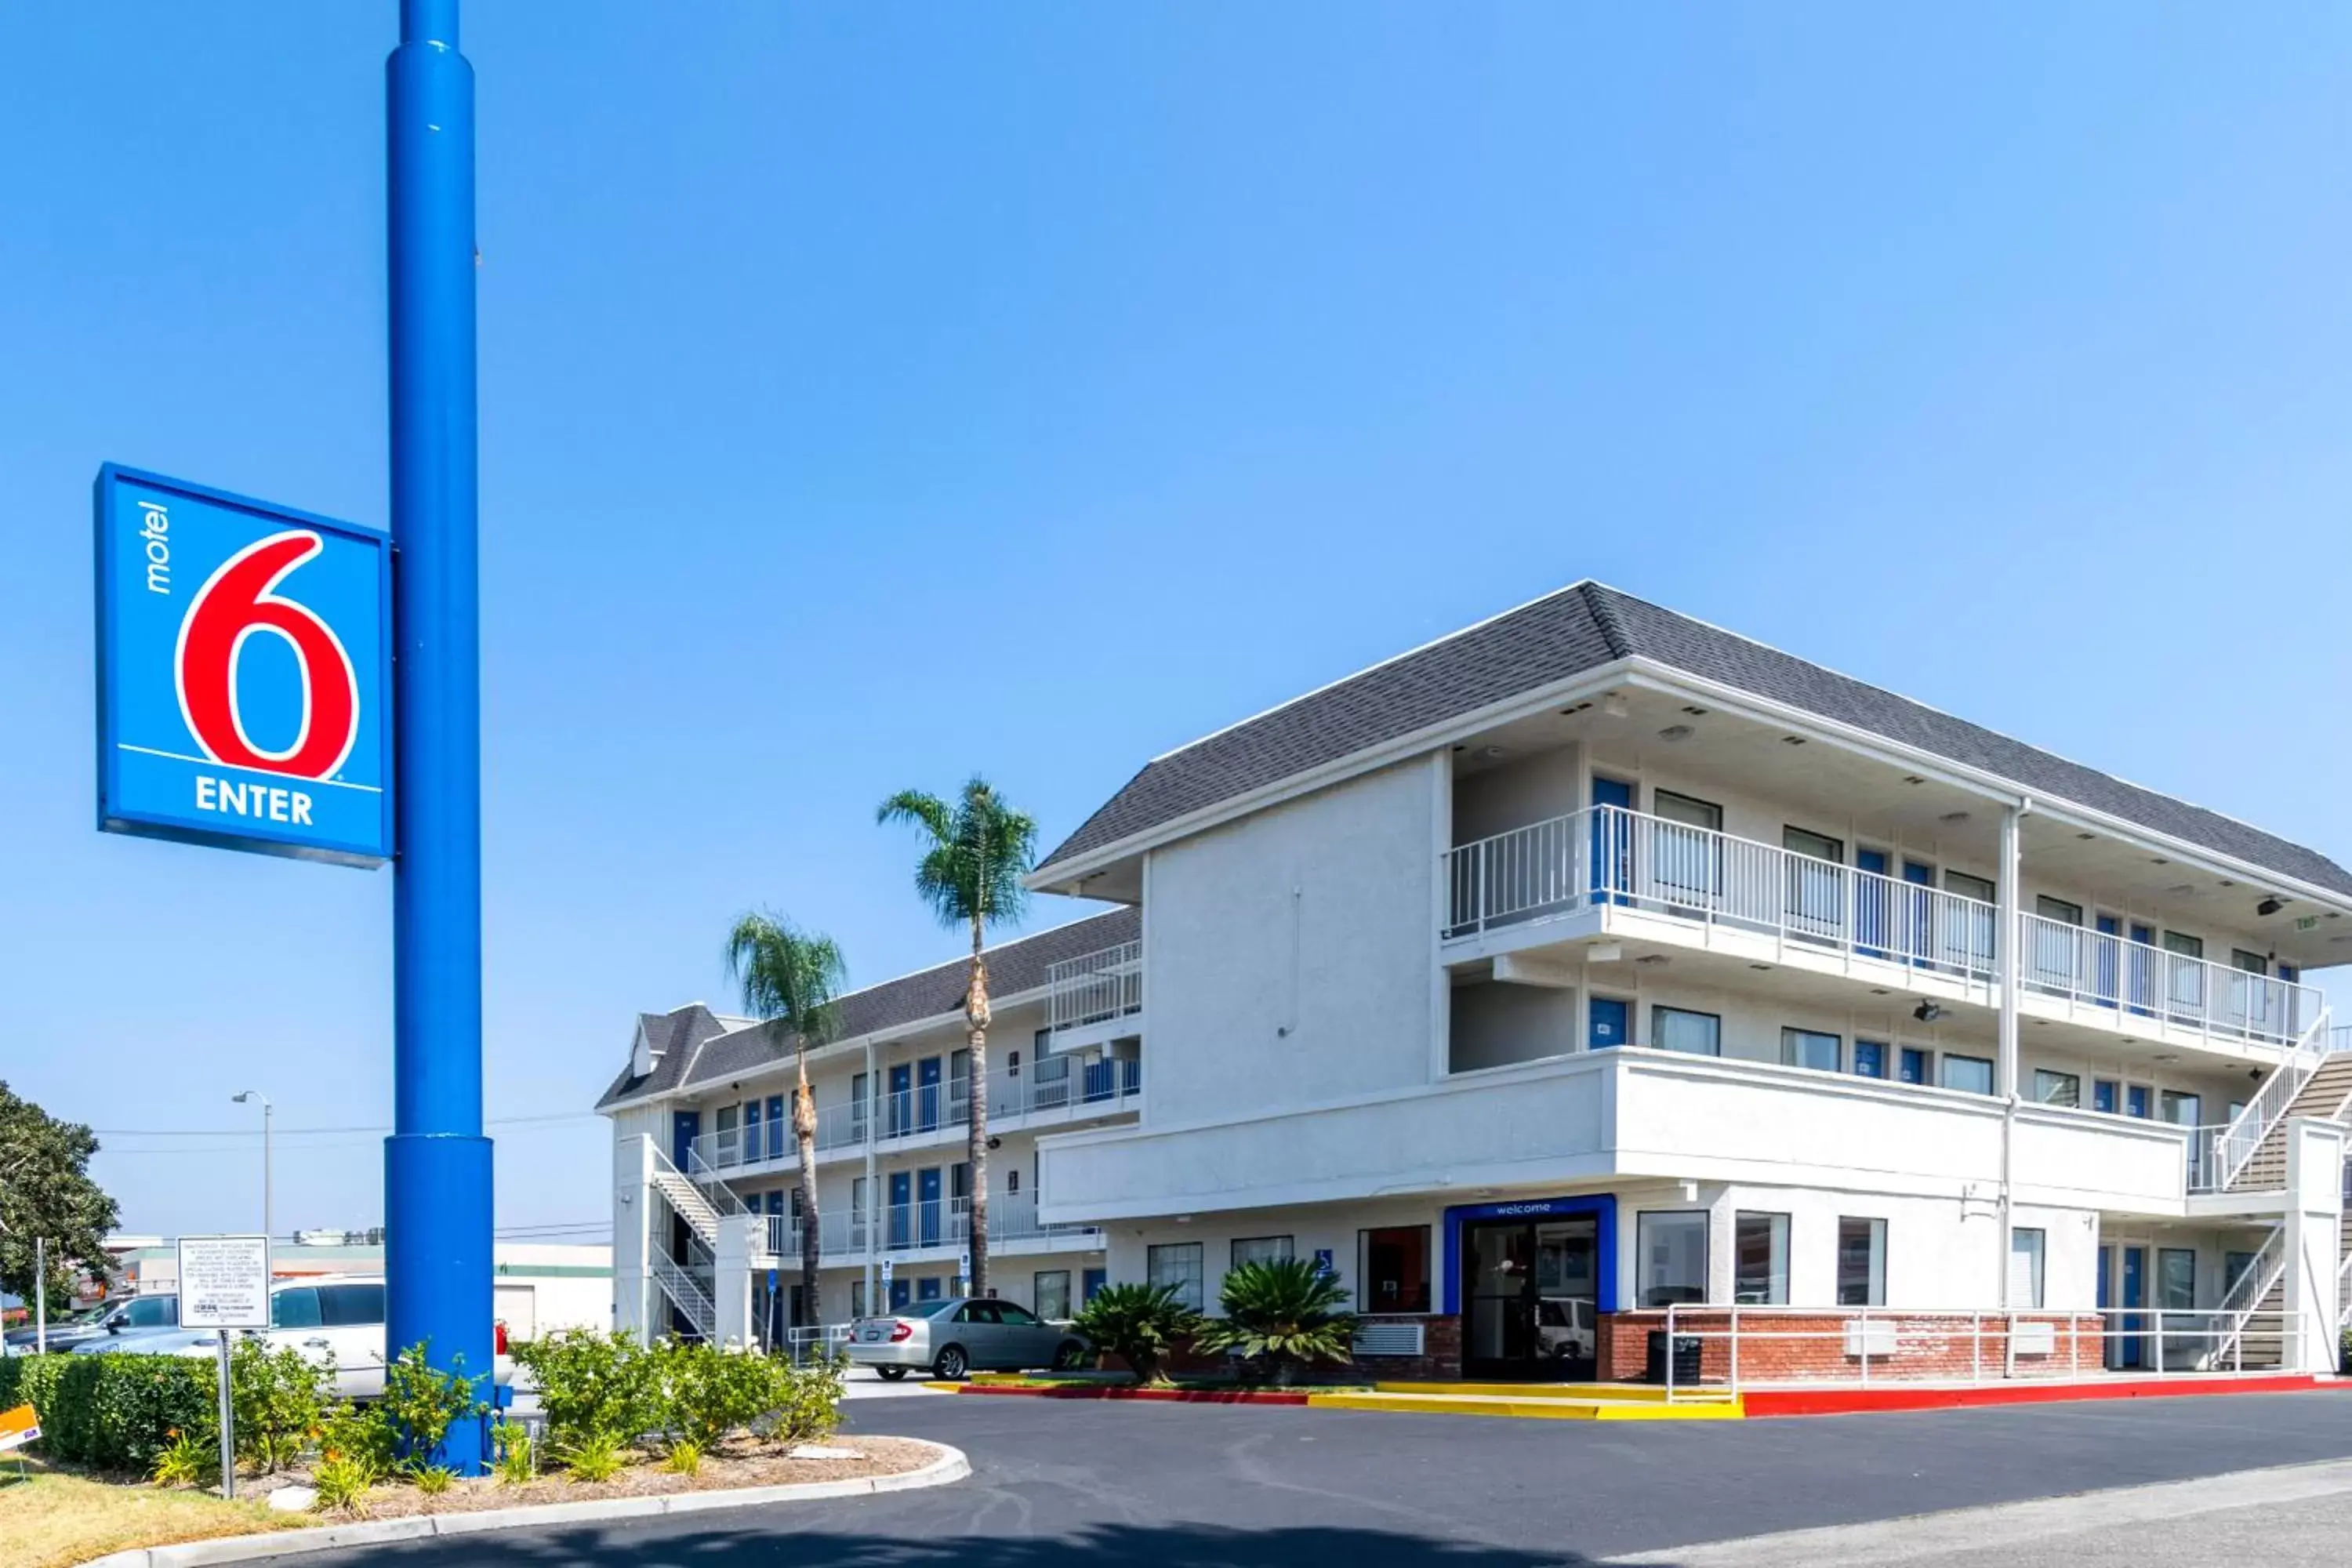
(1941, 712)
(1458, 632)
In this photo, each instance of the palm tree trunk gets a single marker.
(805, 1133)
(975, 1015)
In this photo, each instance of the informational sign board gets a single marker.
(245, 673)
(223, 1281)
(886, 1273)
(19, 1428)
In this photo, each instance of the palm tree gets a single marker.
(974, 855)
(791, 977)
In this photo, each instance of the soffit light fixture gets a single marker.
(1675, 732)
(2269, 907)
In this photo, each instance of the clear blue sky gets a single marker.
(872, 394)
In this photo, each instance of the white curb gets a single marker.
(950, 1467)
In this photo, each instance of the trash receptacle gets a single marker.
(1686, 1359)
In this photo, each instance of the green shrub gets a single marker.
(1139, 1323)
(708, 1391)
(805, 1404)
(343, 1482)
(597, 1456)
(280, 1400)
(1283, 1314)
(431, 1479)
(186, 1460)
(115, 1412)
(516, 1465)
(364, 1433)
(595, 1385)
(420, 1402)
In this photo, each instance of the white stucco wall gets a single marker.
(1291, 954)
(1623, 1113)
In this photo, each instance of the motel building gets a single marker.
(707, 1211)
(1587, 981)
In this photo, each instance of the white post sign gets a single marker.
(225, 1287)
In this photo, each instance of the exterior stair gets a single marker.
(679, 1192)
(2325, 1095)
(685, 1294)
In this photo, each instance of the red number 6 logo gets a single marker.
(234, 603)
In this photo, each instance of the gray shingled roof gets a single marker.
(1583, 628)
(1014, 967)
(673, 1037)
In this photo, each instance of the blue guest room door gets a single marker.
(927, 1201)
(1607, 1025)
(1612, 837)
(685, 1126)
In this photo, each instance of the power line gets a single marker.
(249, 1132)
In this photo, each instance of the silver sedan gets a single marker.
(962, 1335)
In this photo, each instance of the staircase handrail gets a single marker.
(682, 1287)
(725, 1199)
(2243, 1298)
(2247, 1130)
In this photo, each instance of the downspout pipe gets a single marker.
(2005, 965)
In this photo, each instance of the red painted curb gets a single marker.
(1857, 1401)
(1162, 1395)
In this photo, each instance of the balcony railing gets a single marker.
(1054, 1084)
(1095, 987)
(2104, 971)
(1608, 856)
(924, 1223)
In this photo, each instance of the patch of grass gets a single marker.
(57, 1518)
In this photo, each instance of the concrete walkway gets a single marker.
(2299, 1515)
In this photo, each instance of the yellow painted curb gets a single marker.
(1615, 1393)
(1531, 1408)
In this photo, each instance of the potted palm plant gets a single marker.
(1281, 1317)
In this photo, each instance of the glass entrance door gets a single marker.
(1529, 1300)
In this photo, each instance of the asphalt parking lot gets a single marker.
(1081, 1482)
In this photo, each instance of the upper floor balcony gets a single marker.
(1610, 871)
(1048, 1094)
(926, 1224)
(1095, 997)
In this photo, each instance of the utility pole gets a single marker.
(40, 1294)
(436, 1164)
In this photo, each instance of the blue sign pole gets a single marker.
(436, 1163)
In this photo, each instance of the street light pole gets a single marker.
(268, 1111)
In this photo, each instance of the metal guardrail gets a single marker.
(923, 1111)
(1095, 987)
(1870, 1346)
(1608, 855)
(2107, 970)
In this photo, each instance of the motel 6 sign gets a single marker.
(245, 673)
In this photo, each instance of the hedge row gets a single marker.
(111, 1412)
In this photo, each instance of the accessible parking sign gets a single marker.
(244, 657)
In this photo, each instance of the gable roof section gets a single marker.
(1588, 625)
(1014, 967)
(673, 1037)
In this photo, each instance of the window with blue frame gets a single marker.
(1870, 1058)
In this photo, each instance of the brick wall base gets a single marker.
(1804, 1347)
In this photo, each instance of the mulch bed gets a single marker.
(723, 1471)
